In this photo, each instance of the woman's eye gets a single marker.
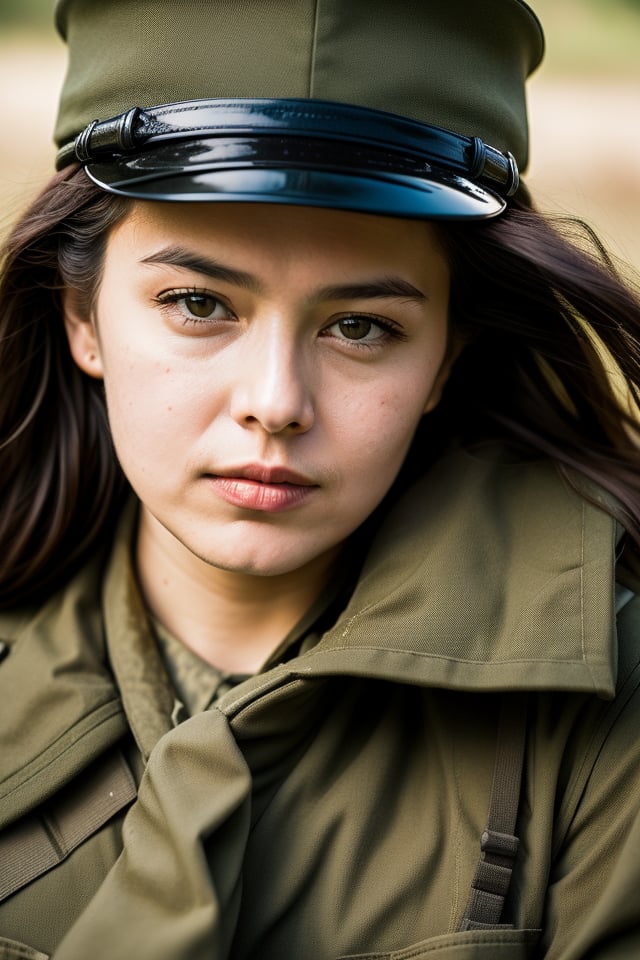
(363, 329)
(191, 305)
(356, 328)
(200, 306)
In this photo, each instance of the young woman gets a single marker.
(321, 505)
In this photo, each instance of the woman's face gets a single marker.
(265, 369)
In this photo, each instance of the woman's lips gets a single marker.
(263, 488)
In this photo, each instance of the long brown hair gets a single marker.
(59, 478)
(544, 322)
(552, 363)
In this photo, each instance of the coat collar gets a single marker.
(486, 575)
(59, 704)
(59, 707)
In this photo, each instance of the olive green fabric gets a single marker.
(88, 662)
(196, 682)
(333, 805)
(61, 715)
(458, 64)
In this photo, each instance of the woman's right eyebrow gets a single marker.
(189, 260)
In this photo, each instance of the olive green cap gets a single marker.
(457, 64)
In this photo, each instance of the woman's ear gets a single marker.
(82, 336)
(453, 352)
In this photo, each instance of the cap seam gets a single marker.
(314, 48)
(533, 16)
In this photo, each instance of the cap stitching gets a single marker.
(271, 109)
(314, 48)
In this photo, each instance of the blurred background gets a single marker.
(584, 106)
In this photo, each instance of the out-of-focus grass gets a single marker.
(31, 71)
(596, 38)
(584, 104)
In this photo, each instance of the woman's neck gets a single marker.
(232, 620)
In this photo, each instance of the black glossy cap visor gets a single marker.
(303, 152)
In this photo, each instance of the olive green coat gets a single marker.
(333, 806)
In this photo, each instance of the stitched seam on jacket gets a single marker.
(596, 744)
(111, 709)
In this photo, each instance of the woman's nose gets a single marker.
(272, 388)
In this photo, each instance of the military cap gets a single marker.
(413, 108)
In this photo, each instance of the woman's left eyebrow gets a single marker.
(375, 289)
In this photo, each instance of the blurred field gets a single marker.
(31, 72)
(584, 107)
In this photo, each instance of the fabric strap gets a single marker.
(41, 840)
(499, 844)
